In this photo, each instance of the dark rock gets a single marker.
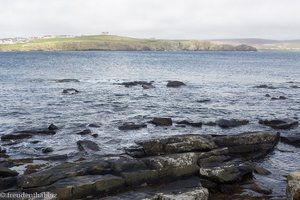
(131, 126)
(26, 134)
(267, 95)
(136, 83)
(95, 125)
(210, 123)
(146, 87)
(203, 100)
(70, 91)
(84, 132)
(291, 139)
(252, 144)
(67, 80)
(175, 84)
(159, 121)
(47, 150)
(280, 123)
(95, 135)
(228, 173)
(52, 127)
(295, 86)
(135, 151)
(177, 144)
(6, 172)
(279, 98)
(33, 168)
(261, 170)
(139, 177)
(225, 123)
(7, 182)
(194, 124)
(198, 193)
(35, 141)
(87, 146)
(265, 86)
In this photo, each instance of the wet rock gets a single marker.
(135, 151)
(95, 125)
(228, 173)
(131, 126)
(7, 182)
(261, 170)
(249, 144)
(26, 134)
(194, 124)
(67, 80)
(35, 141)
(84, 132)
(95, 135)
(52, 127)
(293, 186)
(280, 123)
(6, 172)
(33, 168)
(265, 86)
(47, 150)
(210, 123)
(138, 177)
(146, 87)
(173, 166)
(175, 84)
(87, 145)
(295, 86)
(136, 83)
(225, 123)
(160, 121)
(177, 144)
(196, 194)
(279, 98)
(291, 139)
(203, 100)
(82, 186)
(267, 95)
(70, 91)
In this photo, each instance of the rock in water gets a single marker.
(194, 124)
(160, 121)
(67, 80)
(47, 150)
(131, 126)
(70, 91)
(175, 84)
(225, 123)
(293, 186)
(87, 146)
(280, 123)
(84, 132)
(52, 127)
(26, 134)
(292, 139)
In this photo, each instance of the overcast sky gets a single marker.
(193, 19)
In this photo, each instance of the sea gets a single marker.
(219, 85)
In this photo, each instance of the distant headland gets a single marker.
(105, 42)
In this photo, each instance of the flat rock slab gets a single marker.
(19, 135)
(195, 194)
(161, 121)
(280, 123)
(231, 123)
(177, 144)
(293, 186)
(292, 139)
(131, 126)
(70, 91)
(87, 146)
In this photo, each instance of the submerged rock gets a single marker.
(160, 121)
(225, 123)
(175, 84)
(291, 139)
(136, 83)
(194, 124)
(261, 170)
(84, 132)
(67, 80)
(279, 98)
(280, 123)
(47, 150)
(131, 126)
(265, 86)
(70, 91)
(293, 186)
(147, 86)
(196, 194)
(26, 134)
(87, 145)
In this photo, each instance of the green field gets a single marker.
(114, 43)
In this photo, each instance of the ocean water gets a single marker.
(30, 98)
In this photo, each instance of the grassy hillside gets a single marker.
(110, 42)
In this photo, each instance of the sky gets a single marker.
(166, 19)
